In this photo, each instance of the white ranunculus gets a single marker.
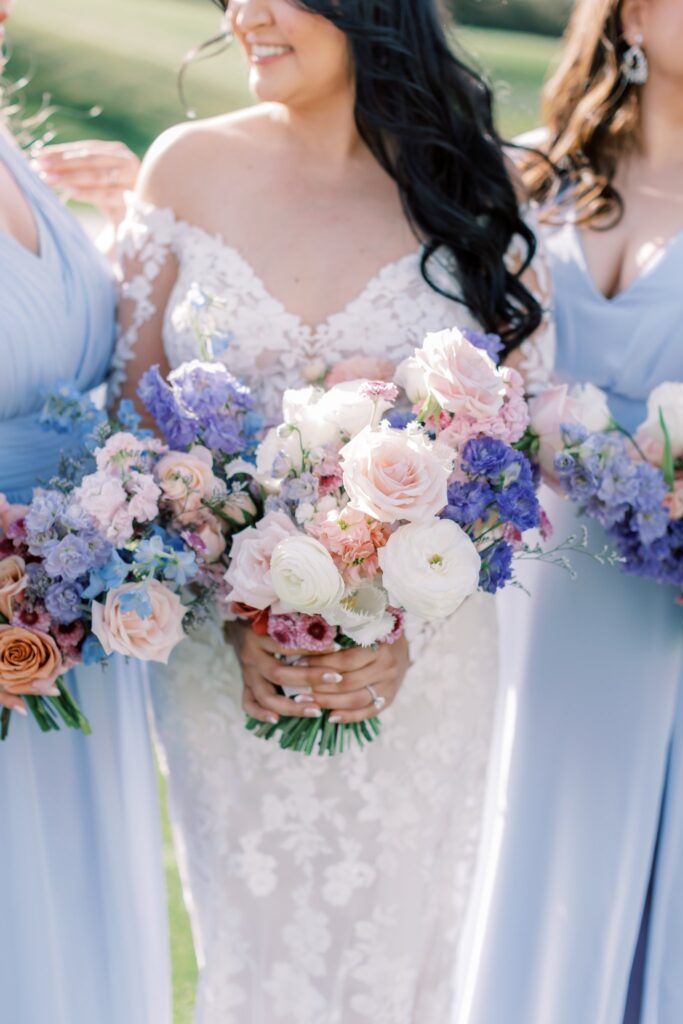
(304, 576)
(668, 398)
(410, 375)
(362, 615)
(349, 410)
(430, 568)
(301, 408)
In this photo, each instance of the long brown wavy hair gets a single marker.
(591, 113)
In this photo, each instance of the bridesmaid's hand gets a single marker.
(7, 700)
(93, 172)
(337, 681)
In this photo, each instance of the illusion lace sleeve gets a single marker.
(147, 268)
(535, 357)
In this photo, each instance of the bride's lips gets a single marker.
(261, 54)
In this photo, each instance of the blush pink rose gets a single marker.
(393, 475)
(186, 478)
(583, 405)
(12, 583)
(125, 632)
(360, 368)
(462, 378)
(211, 537)
(250, 557)
(10, 514)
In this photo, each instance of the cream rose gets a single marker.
(410, 375)
(668, 398)
(152, 638)
(304, 575)
(430, 568)
(396, 474)
(581, 405)
(250, 557)
(30, 662)
(462, 378)
(185, 479)
(12, 583)
(349, 410)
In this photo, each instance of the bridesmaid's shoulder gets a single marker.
(187, 154)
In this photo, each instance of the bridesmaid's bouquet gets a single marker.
(115, 555)
(632, 484)
(372, 512)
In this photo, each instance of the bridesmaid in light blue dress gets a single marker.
(578, 912)
(83, 936)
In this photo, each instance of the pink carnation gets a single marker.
(353, 539)
(399, 623)
(360, 368)
(313, 633)
(329, 472)
(32, 617)
(378, 390)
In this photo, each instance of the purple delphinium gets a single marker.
(206, 388)
(468, 502)
(63, 600)
(496, 567)
(69, 558)
(179, 428)
(489, 343)
(518, 505)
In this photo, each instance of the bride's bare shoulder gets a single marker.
(183, 156)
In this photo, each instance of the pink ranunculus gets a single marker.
(583, 405)
(104, 498)
(186, 478)
(252, 549)
(12, 583)
(462, 378)
(353, 539)
(143, 505)
(125, 632)
(395, 475)
(360, 368)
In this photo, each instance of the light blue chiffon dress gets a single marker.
(586, 795)
(83, 936)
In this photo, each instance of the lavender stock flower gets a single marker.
(63, 600)
(69, 558)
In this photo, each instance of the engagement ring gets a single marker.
(377, 700)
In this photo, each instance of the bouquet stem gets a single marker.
(308, 735)
(48, 710)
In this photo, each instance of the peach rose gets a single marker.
(211, 536)
(29, 662)
(12, 583)
(151, 638)
(360, 368)
(185, 479)
(396, 474)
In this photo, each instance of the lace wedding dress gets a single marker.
(321, 891)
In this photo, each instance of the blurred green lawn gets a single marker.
(123, 56)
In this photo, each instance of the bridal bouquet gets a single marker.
(372, 513)
(631, 484)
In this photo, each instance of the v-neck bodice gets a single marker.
(626, 345)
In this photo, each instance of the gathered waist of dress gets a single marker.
(29, 454)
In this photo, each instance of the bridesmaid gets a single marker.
(579, 910)
(82, 929)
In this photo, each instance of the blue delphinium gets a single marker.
(468, 501)
(496, 567)
(63, 601)
(517, 504)
(178, 427)
(489, 343)
(68, 558)
(105, 577)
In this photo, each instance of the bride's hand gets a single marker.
(337, 681)
(8, 700)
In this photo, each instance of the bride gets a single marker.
(362, 202)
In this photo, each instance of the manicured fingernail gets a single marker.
(335, 647)
(335, 719)
(312, 712)
(304, 698)
(273, 719)
(332, 677)
(20, 709)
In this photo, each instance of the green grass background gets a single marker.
(122, 56)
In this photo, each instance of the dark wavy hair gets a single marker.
(427, 118)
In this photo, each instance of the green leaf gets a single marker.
(668, 461)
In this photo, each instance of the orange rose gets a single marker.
(12, 582)
(29, 662)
